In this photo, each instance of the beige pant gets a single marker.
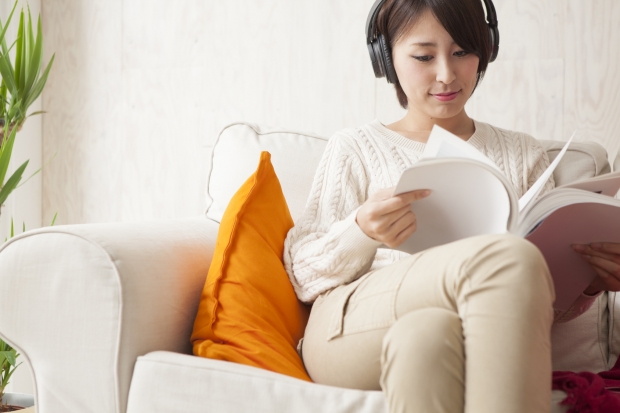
(460, 327)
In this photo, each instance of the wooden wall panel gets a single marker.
(142, 88)
(592, 84)
(82, 126)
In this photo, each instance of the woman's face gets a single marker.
(436, 74)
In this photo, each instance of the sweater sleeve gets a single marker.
(326, 248)
(538, 163)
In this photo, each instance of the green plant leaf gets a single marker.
(34, 67)
(38, 87)
(12, 182)
(10, 356)
(54, 219)
(5, 156)
(19, 53)
(38, 112)
(23, 226)
(12, 233)
(6, 26)
(38, 170)
(6, 70)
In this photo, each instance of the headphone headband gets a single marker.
(380, 52)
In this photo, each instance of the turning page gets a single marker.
(443, 144)
(533, 192)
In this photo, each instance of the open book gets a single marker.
(471, 196)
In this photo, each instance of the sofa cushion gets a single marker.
(248, 310)
(295, 156)
(582, 160)
(581, 344)
(165, 382)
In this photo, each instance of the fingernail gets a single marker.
(586, 257)
(426, 192)
(579, 248)
(597, 246)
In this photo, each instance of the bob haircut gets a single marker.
(464, 20)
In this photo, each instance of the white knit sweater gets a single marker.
(326, 248)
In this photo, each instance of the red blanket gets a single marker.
(590, 392)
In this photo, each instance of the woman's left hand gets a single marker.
(604, 258)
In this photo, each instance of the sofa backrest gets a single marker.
(295, 156)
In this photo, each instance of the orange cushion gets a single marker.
(248, 311)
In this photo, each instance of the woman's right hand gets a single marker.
(389, 219)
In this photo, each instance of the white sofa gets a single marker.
(104, 312)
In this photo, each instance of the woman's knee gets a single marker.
(423, 337)
(515, 264)
(513, 256)
(424, 351)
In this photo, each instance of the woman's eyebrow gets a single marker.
(423, 44)
(426, 44)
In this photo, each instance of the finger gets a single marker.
(404, 234)
(382, 194)
(399, 201)
(611, 267)
(383, 222)
(610, 247)
(606, 281)
(589, 251)
(401, 224)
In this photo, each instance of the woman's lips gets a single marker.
(446, 97)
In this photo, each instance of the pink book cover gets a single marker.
(582, 223)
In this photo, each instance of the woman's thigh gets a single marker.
(344, 336)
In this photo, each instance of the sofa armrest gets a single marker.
(82, 302)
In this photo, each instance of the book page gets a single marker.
(607, 184)
(467, 198)
(443, 144)
(533, 192)
(580, 223)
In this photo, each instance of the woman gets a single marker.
(467, 321)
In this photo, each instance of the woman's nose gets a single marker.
(445, 71)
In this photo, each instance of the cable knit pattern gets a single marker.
(326, 248)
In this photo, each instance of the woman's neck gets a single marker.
(418, 126)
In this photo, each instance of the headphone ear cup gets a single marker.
(375, 57)
(386, 58)
(494, 39)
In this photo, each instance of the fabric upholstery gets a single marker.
(82, 302)
(123, 290)
(248, 311)
(581, 161)
(581, 344)
(196, 384)
(166, 382)
(295, 156)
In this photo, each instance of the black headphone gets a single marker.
(379, 50)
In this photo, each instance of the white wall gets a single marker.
(141, 88)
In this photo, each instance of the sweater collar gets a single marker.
(477, 139)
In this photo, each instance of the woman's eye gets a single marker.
(461, 53)
(423, 58)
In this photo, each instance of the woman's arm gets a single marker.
(326, 247)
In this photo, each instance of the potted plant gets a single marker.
(22, 83)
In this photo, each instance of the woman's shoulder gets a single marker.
(505, 137)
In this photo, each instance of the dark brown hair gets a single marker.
(464, 20)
